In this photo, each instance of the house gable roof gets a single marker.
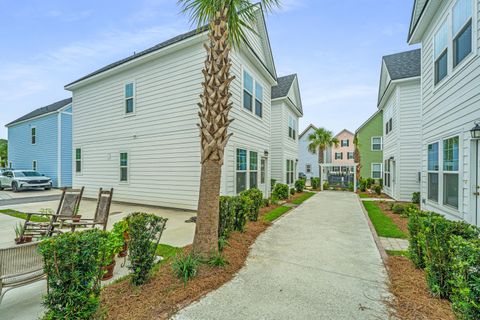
(368, 120)
(417, 12)
(344, 130)
(399, 66)
(43, 111)
(287, 87)
(262, 32)
(310, 126)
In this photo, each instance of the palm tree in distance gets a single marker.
(227, 22)
(320, 140)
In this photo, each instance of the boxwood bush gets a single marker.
(300, 185)
(234, 212)
(315, 183)
(145, 232)
(280, 191)
(257, 200)
(73, 265)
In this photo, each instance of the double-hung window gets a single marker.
(247, 170)
(290, 171)
(241, 170)
(377, 144)
(263, 170)
(253, 169)
(387, 174)
(338, 155)
(34, 165)
(462, 30)
(247, 91)
(441, 52)
(389, 126)
(129, 98)
(308, 168)
(345, 143)
(123, 167)
(34, 135)
(450, 171)
(350, 155)
(258, 99)
(292, 127)
(433, 168)
(78, 160)
(376, 170)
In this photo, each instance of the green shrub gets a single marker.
(280, 191)
(362, 185)
(416, 197)
(378, 189)
(315, 182)
(438, 253)
(326, 185)
(226, 223)
(416, 246)
(369, 182)
(72, 263)
(273, 182)
(257, 199)
(243, 210)
(185, 266)
(266, 202)
(380, 182)
(350, 186)
(466, 278)
(398, 208)
(292, 191)
(300, 185)
(145, 232)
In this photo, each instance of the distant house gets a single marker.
(400, 100)
(450, 96)
(307, 161)
(42, 140)
(369, 143)
(286, 110)
(343, 153)
(135, 125)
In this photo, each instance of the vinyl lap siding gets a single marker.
(450, 109)
(390, 140)
(66, 148)
(278, 131)
(306, 157)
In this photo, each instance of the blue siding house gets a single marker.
(42, 140)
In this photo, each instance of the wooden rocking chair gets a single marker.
(102, 212)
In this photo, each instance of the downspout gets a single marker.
(59, 150)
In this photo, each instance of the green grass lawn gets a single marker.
(276, 213)
(364, 196)
(21, 215)
(167, 251)
(397, 253)
(382, 223)
(303, 198)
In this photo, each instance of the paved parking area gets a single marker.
(7, 197)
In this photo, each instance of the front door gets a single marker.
(263, 177)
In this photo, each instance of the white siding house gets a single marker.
(400, 100)
(286, 110)
(307, 161)
(135, 122)
(448, 33)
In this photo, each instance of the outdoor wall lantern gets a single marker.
(476, 131)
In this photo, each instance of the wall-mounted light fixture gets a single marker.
(475, 132)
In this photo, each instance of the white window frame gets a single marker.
(308, 168)
(341, 155)
(387, 174)
(454, 36)
(78, 160)
(254, 98)
(134, 98)
(120, 167)
(34, 165)
(446, 50)
(437, 172)
(381, 170)
(444, 172)
(352, 155)
(292, 127)
(32, 135)
(248, 170)
(372, 143)
(290, 172)
(347, 143)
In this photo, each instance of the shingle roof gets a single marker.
(43, 110)
(404, 64)
(159, 46)
(283, 87)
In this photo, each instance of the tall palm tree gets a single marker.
(228, 21)
(320, 140)
(357, 157)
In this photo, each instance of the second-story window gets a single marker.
(129, 98)
(247, 91)
(350, 155)
(376, 143)
(345, 143)
(34, 135)
(292, 128)
(258, 100)
(441, 53)
(462, 30)
(252, 95)
(338, 155)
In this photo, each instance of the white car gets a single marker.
(24, 179)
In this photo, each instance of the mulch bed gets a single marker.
(412, 300)
(401, 222)
(165, 294)
(374, 195)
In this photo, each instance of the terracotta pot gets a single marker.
(124, 252)
(27, 238)
(108, 271)
(76, 218)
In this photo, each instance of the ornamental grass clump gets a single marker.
(257, 199)
(145, 233)
(185, 266)
(73, 265)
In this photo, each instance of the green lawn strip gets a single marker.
(275, 213)
(382, 223)
(303, 198)
(397, 253)
(364, 196)
(166, 251)
(21, 215)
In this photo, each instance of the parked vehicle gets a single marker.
(18, 180)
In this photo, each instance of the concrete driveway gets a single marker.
(318, 262)
(8, 197)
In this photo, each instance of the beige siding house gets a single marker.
(135, 122)
(286, 111)
(400, 100)
(448, 33)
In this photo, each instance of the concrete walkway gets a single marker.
(318, 262)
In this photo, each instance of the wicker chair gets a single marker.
(19, 266)
(67, 208)
(102, 212)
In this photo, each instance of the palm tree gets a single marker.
(227, 21)
(357, 157)
(320, 140)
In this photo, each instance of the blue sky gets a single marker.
(334, 46)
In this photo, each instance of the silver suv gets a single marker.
(24, 179)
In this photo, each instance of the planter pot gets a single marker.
(76, 218)
(124, 252)
(108, 271)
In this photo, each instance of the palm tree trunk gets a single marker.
(214, 122)
(321, 160)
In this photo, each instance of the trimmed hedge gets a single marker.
(300, 185)
(257, 198)
(280, 192)
(417, 240)
(315, 183)
(234, 212)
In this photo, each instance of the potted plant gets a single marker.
(19, 238)
(112, 246)
(120, 229)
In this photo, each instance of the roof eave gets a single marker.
(15, 122)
